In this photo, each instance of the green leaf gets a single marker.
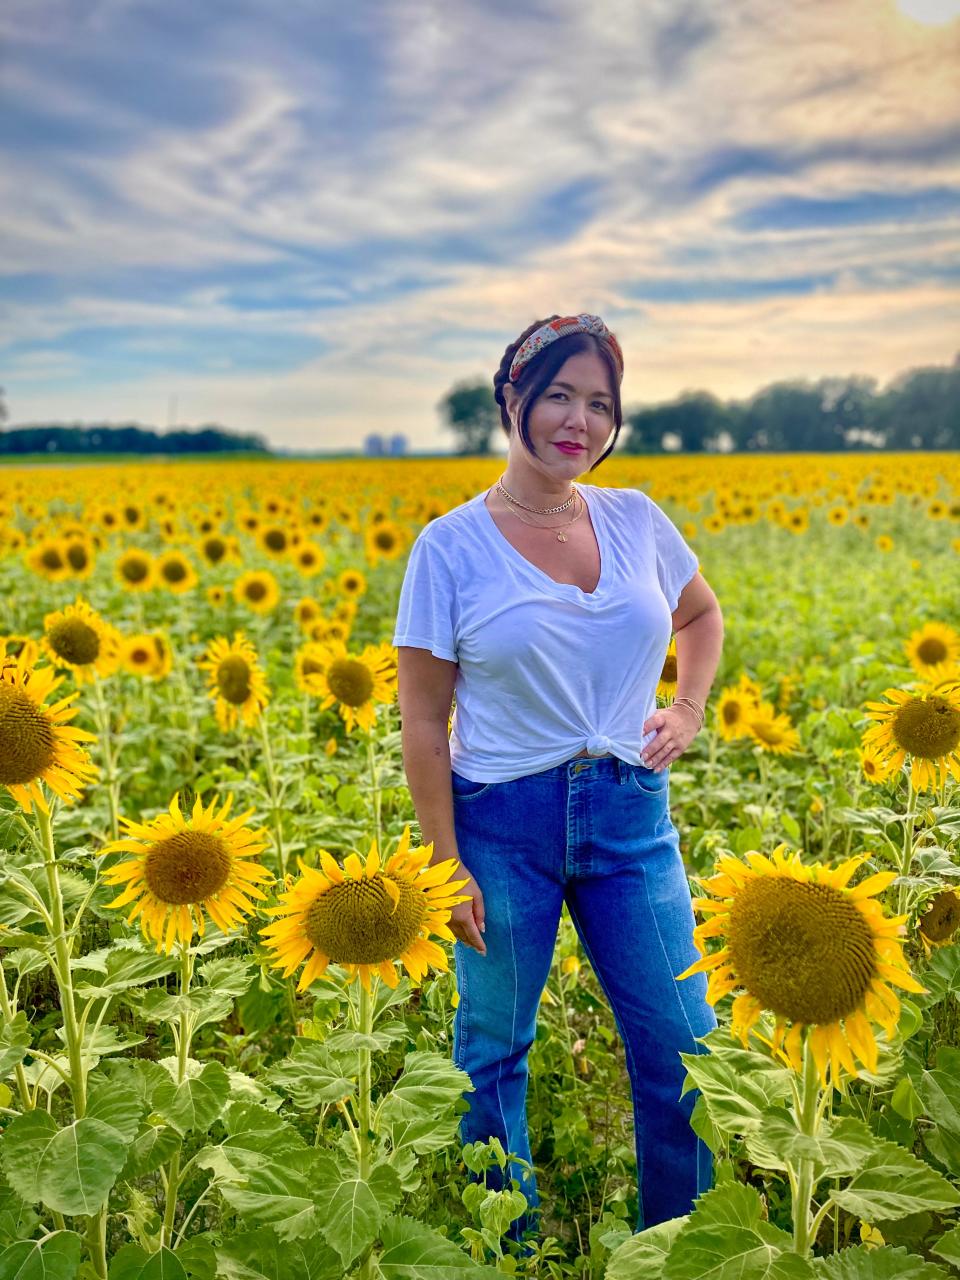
(948, 1247)
(737, 1086)
(422, 1134)
(116, 1106)
(57, 1257)
(229, 976)
(352, 1209)
(71, 1170)
(725, 1238)
(351, 1041)
(790, 826)
(14, 1043)
(123, 965)
(941, 977)
(430, 1085)
(940, 1092)
(133, 1263)
(884, 1263)
(196, 1102)
(894, 1183)
(413, 1251)
(152, 1147)
(841, 1149)
(311, 1076)
(266, 1193)
(260, 1255)
(642, 1256)
(905, 1100)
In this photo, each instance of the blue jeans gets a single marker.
(595, 833)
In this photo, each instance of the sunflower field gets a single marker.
(227, 991)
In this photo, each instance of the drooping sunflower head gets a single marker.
(924, 725)
(933, 650)
(37, 744)
(355, 682)
(366, 916)
(77, 637)
(799, 943)
(180, 867)
(941, 921)
(237, 680)
(258, 590)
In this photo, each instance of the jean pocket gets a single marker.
(647, 780)
(466, 788)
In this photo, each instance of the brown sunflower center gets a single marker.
(942, 920)
(255, 590)
(311, 667)
(927, 727)
(731, 712)
(77, 556)
(135, 569)
(174, 571)
(351, 583)
(214, 549)
(803, 950)
(51, 559)
(74, 641)
(350, 681)
(188, 866)
(385, 540)
(27, 742)
(931, 650)
(233, 679)
(139, 656)
(275, 539)
(356, 923)
(669, 672)
(767, 731)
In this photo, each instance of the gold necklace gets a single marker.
(540, 511)
(561, 536)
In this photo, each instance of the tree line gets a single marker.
(918, 409)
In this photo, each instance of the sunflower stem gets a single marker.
(276, 816)
(807, 1118)
(9, 1012)
(183, 1055)
(365, 1270)
(907, 859)
(110, 775)
(375, 788)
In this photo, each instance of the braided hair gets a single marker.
(537, 374)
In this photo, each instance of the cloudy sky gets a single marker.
(309, 219)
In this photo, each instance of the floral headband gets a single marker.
(560, 328)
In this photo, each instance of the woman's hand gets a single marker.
(676, 726)
(466, 918)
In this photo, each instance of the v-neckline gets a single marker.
(520, 558)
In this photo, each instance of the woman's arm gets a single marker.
(425, 694)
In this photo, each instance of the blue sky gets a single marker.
(310, 219)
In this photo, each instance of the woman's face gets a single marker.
(575, 411)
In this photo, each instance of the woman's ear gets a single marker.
(512, 401)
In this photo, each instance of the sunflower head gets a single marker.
(78, 638)
(236, 680)
(179, 868)
(135, 570)
(924, 725)
(941, 921)
(366, 916)
(257, 590)
(933, 649)
(356, 681)
(799, 943)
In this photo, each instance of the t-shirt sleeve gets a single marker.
(676, 563)
(426, 612)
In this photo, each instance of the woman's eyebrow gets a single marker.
(567, 387)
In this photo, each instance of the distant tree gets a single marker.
(920, 409)
(471, 413)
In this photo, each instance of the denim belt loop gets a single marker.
(623, 771)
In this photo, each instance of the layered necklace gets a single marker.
(516, 506)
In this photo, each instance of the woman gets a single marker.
(548, 608)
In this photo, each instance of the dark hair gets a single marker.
(537, 374)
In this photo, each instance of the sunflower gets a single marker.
(36, 743)
(733, 705)
(351, 583)
(874, 766)
(383, 541)
(925, 726)
(217, 596)
(135, 570)
(366, 917)
(78, 638)
(181, 867)
(78, 552)
(306, 612)
(940, 922)
(667, 684)
(48, 558)
(236, 680)
(884, 542)
(771, 731)
(275, 541)
(933, 650)
(818, 955)
(213, 548)
(309, 558)
(838, 516)
(357, 681)
(797, 520)
(175, 572)
(309, 663)
(146, 654)
(258, 590)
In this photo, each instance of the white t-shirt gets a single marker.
(546, 669)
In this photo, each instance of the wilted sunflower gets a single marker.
(258, 590)
(36, 743)
(175, 572)
(772, 731)
(366, 917)
(816, 954)
(181, 867)
(941, 920)
(667, 684)
(356, 681)
(236, 680)
(933, 650)
(135, 570)
(78, 638)
(924, 726)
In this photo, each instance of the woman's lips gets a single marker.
(569, 448)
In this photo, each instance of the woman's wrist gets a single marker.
(690, 705)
